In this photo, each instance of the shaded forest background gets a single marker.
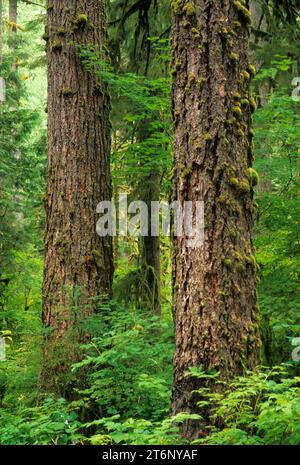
(125, 393)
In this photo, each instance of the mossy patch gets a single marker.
(189, 9)
(254, 177)
(252, 104)
(176, 6)
(207, 136)
(67, 92)
(234, 181)
(252, 70)
(234, 57)
(56, 44)
(236, 110)
(245, 75)
(82, 18)
(244, 186)
(243, 11)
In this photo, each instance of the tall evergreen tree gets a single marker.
(215, 304)
(78, 263)
(136, 23)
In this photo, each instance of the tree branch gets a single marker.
(29, 2)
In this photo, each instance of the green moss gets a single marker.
(240, 132)
(243, 11)
(244, 186)
(176, 6)
(192, 77)
(253, 175)
(244, 102)
(61, 31)
(207, 136)
(56, 44)
(223, 294)
(186, 172)
(234, 181)
(245, 75)
(228, 168)
(236, 95)
(230, 121)
(67, 91)
(237, 24)
(186, 23)
(236, 110)
(238, 256)
(195, 32)
(227, 262)
(233, 233)
(251, 260)
(234, 57)
(189, 9)
(82, 18)
(252, 70)
(222, 199)
(178, 64)
(252, 104)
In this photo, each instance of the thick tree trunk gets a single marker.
(215, 304)
(78, 263)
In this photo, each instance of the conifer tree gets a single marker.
(78, 263)
(215, 304)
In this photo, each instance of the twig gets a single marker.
(29, 2)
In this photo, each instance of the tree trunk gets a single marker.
(150, 249)
(13, 13)
(78, 263)
(215, 304)
(148, 191)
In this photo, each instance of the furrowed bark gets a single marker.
(215, 304)
(78, 263)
